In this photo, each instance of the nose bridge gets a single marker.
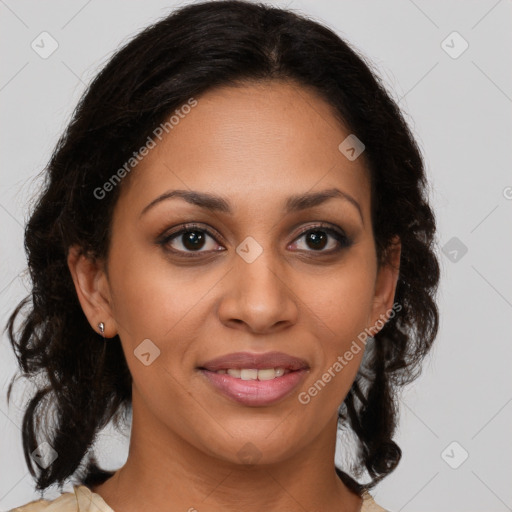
(258, 266)
(259, 294)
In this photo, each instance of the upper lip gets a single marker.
(255, 361)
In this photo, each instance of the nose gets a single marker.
(259, 296)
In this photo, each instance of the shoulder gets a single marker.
(66, 502)
(80, 499)
(369, 504)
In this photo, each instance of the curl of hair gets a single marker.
(86, 383)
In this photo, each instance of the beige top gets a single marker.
(82, 499)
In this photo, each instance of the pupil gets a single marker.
(317, 238)
(193, 240)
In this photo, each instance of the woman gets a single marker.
(234, 249)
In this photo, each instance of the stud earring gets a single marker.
(101, 327)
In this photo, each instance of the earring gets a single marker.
(101, 327)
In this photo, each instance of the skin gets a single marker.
(255, 145)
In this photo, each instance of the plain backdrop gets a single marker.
(448, 65)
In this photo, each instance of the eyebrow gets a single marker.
(217, 203)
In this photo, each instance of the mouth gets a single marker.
(254, 373)
(255, 379)
(253, 360)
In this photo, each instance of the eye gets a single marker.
(190, 239)
(193, 240)
(316, 239)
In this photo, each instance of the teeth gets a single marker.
(267, 374)
(254, 374)
(248, 374)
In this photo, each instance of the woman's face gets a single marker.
(254, 274)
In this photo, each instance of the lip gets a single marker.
(255, 360)
(255, 393)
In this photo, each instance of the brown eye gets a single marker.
(318, 238)
(193, 240)
(190, 239)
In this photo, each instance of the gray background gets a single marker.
(458, 108)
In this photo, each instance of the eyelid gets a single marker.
(189, 226)
(321, 225)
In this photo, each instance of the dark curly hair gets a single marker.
(83, 383)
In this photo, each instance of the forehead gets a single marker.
(253, 141)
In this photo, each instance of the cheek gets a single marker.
(151, 296)
(157, 308)
(340, 309)
(341, 301)
(167, 305)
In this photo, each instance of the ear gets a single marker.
(92, 287)
(385, 285)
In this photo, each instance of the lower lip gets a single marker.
(255, 392)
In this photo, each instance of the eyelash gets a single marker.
(342, 239)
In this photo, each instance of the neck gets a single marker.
(165, 472)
